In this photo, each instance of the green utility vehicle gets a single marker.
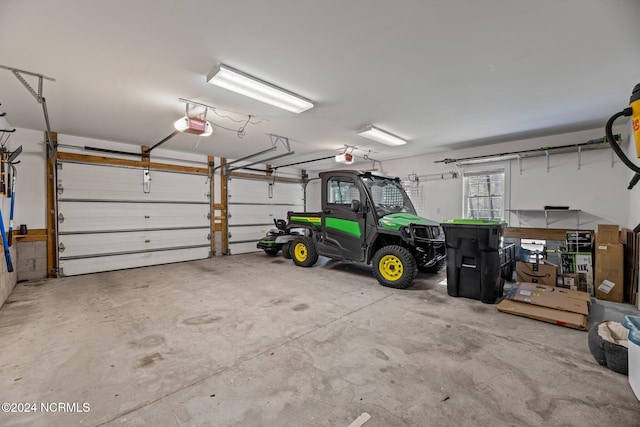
(370, 219)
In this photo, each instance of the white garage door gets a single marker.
(252, 207)
(107, 221)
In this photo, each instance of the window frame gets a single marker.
(340, 178)
(486, 170)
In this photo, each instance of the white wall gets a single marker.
(31, 196)
(597, 188)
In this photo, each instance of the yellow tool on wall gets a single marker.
(634, 111)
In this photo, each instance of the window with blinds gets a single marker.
(484, 194)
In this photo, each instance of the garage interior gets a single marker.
(136, 183)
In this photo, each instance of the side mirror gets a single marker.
(355, 205)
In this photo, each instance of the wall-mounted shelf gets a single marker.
(518, 212)
(593, 144)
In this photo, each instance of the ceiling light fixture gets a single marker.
(244, 84)
(381, 136)
(193, 125)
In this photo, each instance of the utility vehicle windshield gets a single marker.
(388, 196)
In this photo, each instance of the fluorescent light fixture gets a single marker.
(346, 158)
(252, 87)
(488, 159)
(193, 125)
(381, 136)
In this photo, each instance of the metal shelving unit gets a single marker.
(518, 212)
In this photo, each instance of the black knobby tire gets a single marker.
(303, 252)
(272, 251)
(433, 268)
(286, 250)
(394, 266)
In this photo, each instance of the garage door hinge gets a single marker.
(60, 189)
(59, 165)
(209, 215)
(230, 235)
(209, 237)
(61, 247)
(208, 195)
(60, 218)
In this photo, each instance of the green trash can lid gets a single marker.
(462, 221)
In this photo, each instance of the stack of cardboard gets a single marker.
(631, 242)
(560, 306)
(609, 280)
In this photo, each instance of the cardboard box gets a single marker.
(584, 269)
(570, 281)
(580, 264)
(610, 267)
(579, 241)
(546, 273)
(549, 315)
(607, 233)
(550, 304)
(551, 297)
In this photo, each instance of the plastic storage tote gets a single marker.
(473, 259)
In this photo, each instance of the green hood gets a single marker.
(398, 220)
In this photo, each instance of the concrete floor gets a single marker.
(250, 340)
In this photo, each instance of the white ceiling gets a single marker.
(441, 74)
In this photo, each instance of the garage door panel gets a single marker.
(101, 216)
(254, 233)
(107, 222)
(251, 214)
(84, 181)
(252, 191)
(119, 262)
(105, 243)
(243, 248)
(251, 210)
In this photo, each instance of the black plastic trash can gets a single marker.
(473, 259)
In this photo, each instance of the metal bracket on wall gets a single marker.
(146, 181)
(520, 164)
(277, 138)
(547, 153)
(579, 157)
(38, 96)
